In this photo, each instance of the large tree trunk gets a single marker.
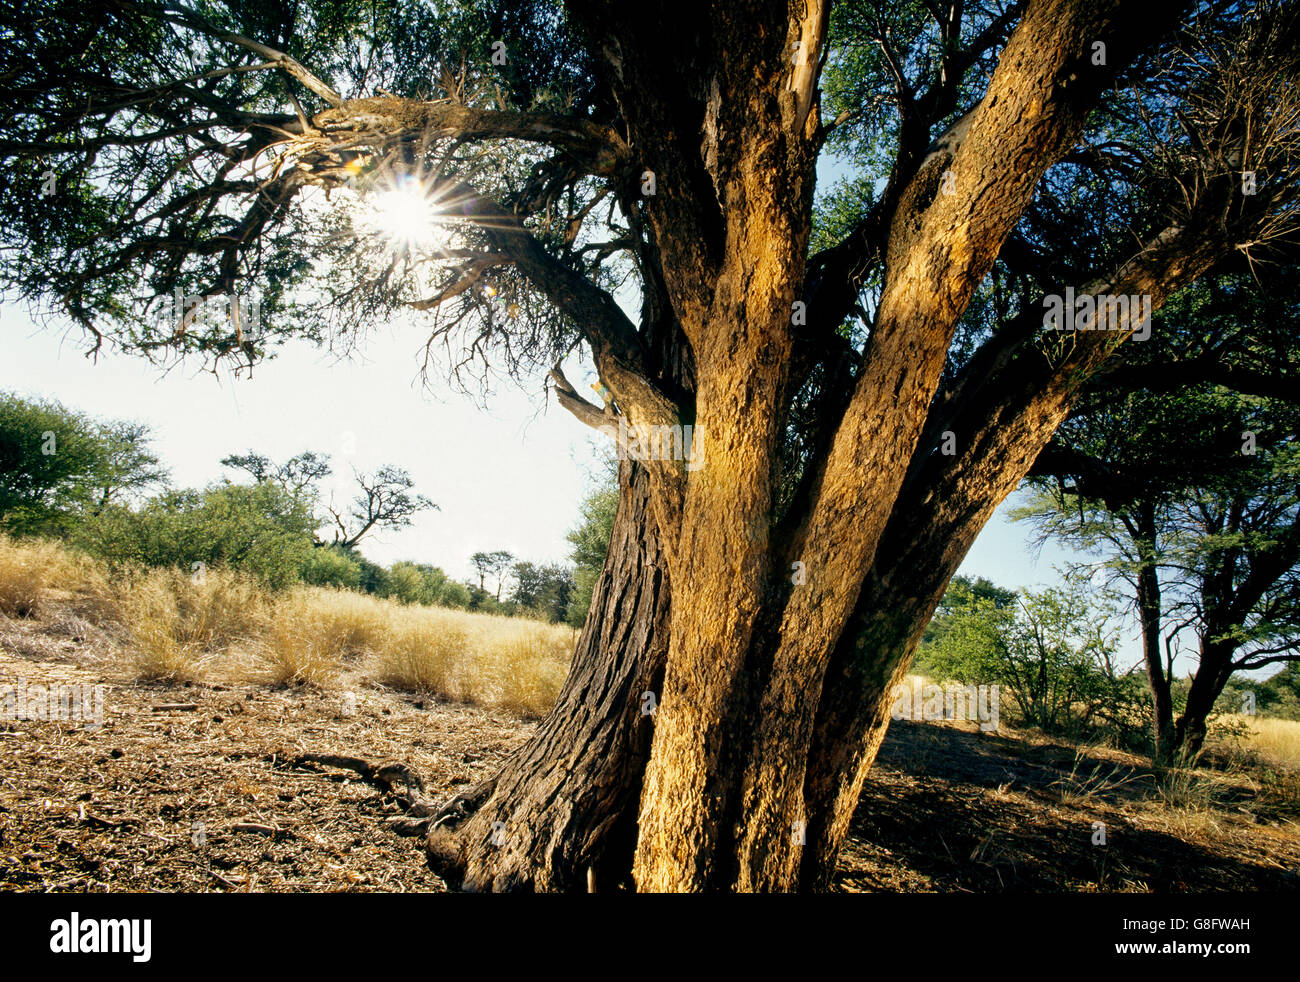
(771, 709)
(561, 814)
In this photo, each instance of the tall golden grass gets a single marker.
(223, 624)
(1274, 739)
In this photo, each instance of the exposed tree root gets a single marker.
(442, 847)
(397, 778)
(424, 816)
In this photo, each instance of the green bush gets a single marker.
(454, 594)
(1052, 653)
(419, 583)
(259, 529)
(329, 566)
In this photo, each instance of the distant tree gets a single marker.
(963, 594)
(385, 501)
(374, 578)
(1190, 500)
(454, 594)
(420, 583)
(58, 465)
(128, 466)
(555, 592)
(528, 584)
(491, 564)
(542, 590)
(1280, 695)
(299, 475)
(405, 584)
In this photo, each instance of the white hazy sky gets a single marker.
(505, 477)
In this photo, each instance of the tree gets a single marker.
(528, 584)
(56, 465)
(542, 590)
(590, 540)
(331, 567)
(384, 499)
(299, 476)
(862, 383)
(1204, 535)
(491, 563)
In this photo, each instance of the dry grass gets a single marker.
(1275, 740)
(504, 662)
(1090, 780)
(34, 573)
(225, 625)
(181, 624)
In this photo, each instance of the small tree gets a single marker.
(491, 564)
(590, 541)
(385, 500)
(528, 584)
(299, 476)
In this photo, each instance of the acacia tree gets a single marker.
(1191, 499)
(866, 396)
(384, 499)
(495, 563)
(1177, 465)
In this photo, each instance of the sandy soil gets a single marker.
(217, 798)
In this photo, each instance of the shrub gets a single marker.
(1052, 653)
(454, 594)
(329, 566)
(260, 529)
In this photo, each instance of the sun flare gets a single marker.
(407, 215)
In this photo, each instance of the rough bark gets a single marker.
(565, 803)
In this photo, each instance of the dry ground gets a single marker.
(213, 799)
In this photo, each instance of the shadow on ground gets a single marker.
(948, 810)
